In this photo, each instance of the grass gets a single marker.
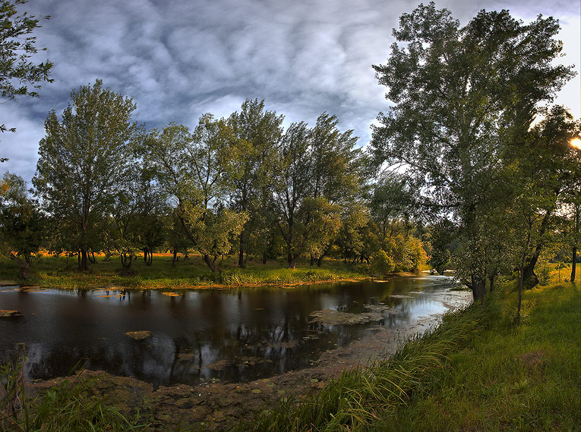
(480, 371)
(69, 406)
(61, 272)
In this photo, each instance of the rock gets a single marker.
(139, 335)
(9, 313)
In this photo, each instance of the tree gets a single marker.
(546, 170)
(21, 223)
(18, 75)
(83, 162)
(461, 95)
(195, 170)
(317, 170)
(258, 132)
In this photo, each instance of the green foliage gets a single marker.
(463, 97)
(74, 178)
(317, 169)
(18, 75)
(196, 170)
(382, 262)
(21, 223)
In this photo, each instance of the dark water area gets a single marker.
(233, 335)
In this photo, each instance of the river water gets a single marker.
(232, 335)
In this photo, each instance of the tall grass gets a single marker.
(69, 406)
(362, 396)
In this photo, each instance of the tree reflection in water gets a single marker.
(232, 335)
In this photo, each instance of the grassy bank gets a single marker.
(191, 272)
(480, 371)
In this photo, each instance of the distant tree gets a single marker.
(21, 223)
(84, 160)
(355, 219)
(195, 170)
(461, 95)
(19, 76)
(316, 172)
(258, 131)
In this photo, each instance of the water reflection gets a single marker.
(233, 335)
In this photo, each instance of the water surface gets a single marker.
(231, 335)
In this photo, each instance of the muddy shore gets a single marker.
(216, 406)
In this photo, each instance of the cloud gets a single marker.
(180, 59)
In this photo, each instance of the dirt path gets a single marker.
(215, 406)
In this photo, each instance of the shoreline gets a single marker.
(214, 405)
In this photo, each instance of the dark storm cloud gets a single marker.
(179, 59)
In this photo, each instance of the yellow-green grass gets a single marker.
(62, 272)
(480, 371)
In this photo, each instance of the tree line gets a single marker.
(470, 164)
(240, 185)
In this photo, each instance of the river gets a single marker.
(232, 335)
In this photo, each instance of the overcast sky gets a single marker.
(179, 59)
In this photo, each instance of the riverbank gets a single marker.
(480, 370)
(187, 273)
(214, 405)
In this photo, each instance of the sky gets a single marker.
(179, 59)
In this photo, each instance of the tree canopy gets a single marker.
(463, 96)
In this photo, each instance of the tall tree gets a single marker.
(19, 76)
(258, 131)
(461, 94)
(83, 162)
(196, 171)
(317, 170)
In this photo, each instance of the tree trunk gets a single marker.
(574, 264)
(491, 279)
(145, 253)
(241, 252)
(530, 279)
(83, 262)
(211, 265)
(175, 256)
(126, 260)
(312, 261)
(478, 288)
(264, 258)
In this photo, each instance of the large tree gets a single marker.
(84, 160)
(461, 94)
(196, 170)
(19, 76)
(317, 170)
(258, 131)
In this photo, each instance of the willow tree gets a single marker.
(196, 170)
(84, 160)
(460, 95)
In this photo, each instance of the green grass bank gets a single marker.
(480, 371)
(61, 272)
